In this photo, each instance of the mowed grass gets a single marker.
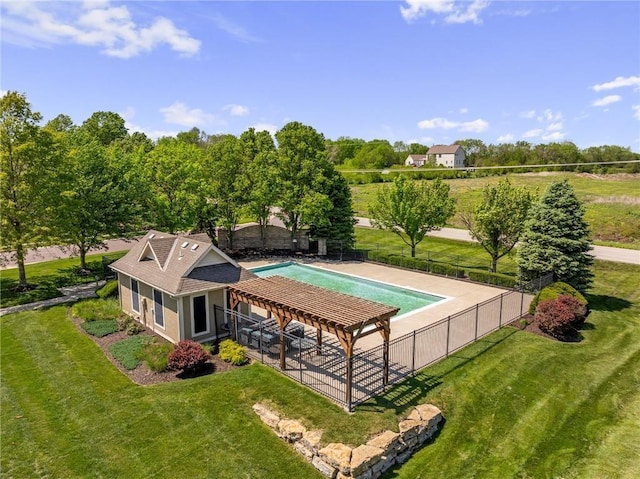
(516, 405)
(612, 201)
(48, 276)
(465, 254)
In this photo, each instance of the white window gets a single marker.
(135, 296)
(158, 311)
(199, 316)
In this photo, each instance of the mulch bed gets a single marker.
(142, 375)
(531, 325)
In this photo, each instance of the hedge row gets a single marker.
(496, 279)
(419, 264)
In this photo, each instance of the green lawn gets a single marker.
(612, 202)
(464, 253)
(516, 405)
(48, 276)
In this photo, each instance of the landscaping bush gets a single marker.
(95, 309)
(100, 327)
(578, 309)
(493, 278)
(555, 318)
(109, 290)
(187, 355)
(446, 269)
(553, 291)
(133, 328)
(232, 352)
(156, 356)
(127, 352)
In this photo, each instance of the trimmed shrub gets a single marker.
(156, 356)
(553, 291)
(446, 270)
(109, 290)
(232, 352)
(578, 309)
(133, 328)
(187, 355)
(127, 352)
(123, 321)
(555, 318)
(497, 279)
(100, 327)
(94, 309)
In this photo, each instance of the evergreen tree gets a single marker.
(556, 239)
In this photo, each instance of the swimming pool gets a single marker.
(406, 299)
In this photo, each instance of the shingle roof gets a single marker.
(439, 149)
(343, 310)
(418, 157)
(178, 272)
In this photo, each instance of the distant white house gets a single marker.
(416, 160)
(451, 156)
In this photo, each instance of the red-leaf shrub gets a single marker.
(578, 308)
(187, 355)
(555, 318)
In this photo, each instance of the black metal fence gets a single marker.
(323, 368)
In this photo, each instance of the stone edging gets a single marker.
(367, 461)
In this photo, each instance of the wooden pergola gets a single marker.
(339, 314)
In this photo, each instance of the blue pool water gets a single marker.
(405, 299)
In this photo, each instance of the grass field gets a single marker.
(48, 276)
(612, 201)
(516, 405)
(465, 254)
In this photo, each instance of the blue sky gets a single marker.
(430, 71)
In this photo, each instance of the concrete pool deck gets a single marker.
(461, 294)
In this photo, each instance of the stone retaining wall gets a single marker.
(367, 461)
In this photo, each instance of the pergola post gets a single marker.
(318, 341)
(349, 383)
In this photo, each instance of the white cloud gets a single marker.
(453, 11)
(463, 111)
(553, 136)
(3, 93)
(233, 29)
(607, 100)
(532, 133)
(549, 115)
(528, 114)
(636, 111)
(508, 138)
(476, 126)
(437, 123)
(237, 110)
(129, 114)
(555, 126)
(423, 140)
(617, 83)
(178, 113)
(270, 127)
(97, 24)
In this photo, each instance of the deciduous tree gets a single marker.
(27, 166)
(497, 221)
(301, 161)
(411, 209)
(556, 239)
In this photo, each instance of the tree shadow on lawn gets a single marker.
(603, 302)
(412, 391)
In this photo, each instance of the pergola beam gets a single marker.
(339, 314)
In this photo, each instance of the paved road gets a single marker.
(606, 253)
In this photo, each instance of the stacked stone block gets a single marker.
(367, 461)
